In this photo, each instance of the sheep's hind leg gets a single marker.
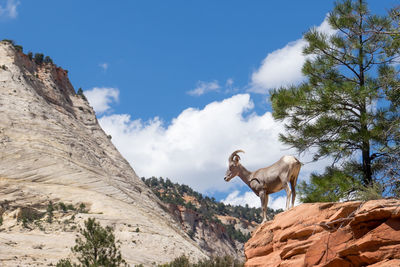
(264, 203)
(288, 195)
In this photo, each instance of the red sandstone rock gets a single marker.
(329, 234)
(387, 263)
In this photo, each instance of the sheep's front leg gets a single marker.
(264, 203)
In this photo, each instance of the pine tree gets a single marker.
(348, 106)
(98, 248)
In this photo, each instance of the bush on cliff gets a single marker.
(48, 60)
(96, 248)
(38, 58)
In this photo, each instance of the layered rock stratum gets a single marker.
(54, 154)
(329, 234)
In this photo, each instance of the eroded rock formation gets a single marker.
(211, 236)
(329, 234)
(52, 150)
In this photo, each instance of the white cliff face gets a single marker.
(53, 149)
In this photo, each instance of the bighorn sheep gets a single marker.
(267, 180)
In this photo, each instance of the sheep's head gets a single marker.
(233, 168)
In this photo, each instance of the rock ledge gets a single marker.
(329, 234)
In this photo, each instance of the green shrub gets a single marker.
(19, 48)
(189, 205)
(38, 58)
(39, 224)
(30, 55)
(80, 93)
(97, 246)
(48, 60)
(235, 234)
(64, 263)
(50, 209)
(28, 214)
(9, 41)
(183, 261)
(62, 207)
(226, 261)
(82, 208)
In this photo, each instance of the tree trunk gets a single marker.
(366, 157)
(366, 165)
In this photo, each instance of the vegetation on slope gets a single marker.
(208, 208)
(43, 216)
(183, 261)
(38, 58)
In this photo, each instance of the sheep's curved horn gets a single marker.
(232, 156)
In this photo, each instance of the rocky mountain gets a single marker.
(219, 229)
(58, 167)
(330, 234)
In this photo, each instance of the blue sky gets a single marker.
(179, 84)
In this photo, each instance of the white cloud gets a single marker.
(325, 28)
(101, 97)
(229, 87)
(229, 83)
(9, 10)
(275, 201)
(104, 66)
(282, 67)
(248, 198)
(195, 147)
(204, 87)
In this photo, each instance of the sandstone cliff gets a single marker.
(217, 228)
(329, 234)
(52, 150)
(211, 236)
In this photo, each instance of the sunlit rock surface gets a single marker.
(53, 149)
(329, 234)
